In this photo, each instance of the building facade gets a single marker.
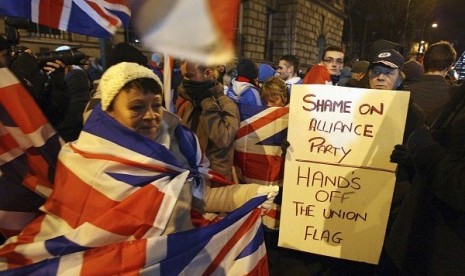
(266, 30)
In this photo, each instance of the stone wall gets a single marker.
(297, 26)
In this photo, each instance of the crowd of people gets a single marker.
(426, 229)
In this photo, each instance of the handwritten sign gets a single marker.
(338, 181)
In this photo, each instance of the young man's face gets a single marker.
(284, 70)
(333, 61)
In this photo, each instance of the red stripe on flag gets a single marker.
(77, 202)
(122, 258)
(272, 213)
(261, 268)
(259, 166)
(27, 236)
(262, 121)
(22, 107)
(74, 200)
(40, 168)
(133, 216)
(119, 2)
(122, 161)
(50, 12)
(112, 20)
(8, 143)
(241, 232)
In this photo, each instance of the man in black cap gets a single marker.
(359, 70)
(385, 70)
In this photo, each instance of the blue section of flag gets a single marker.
(183, 247)
(47, 267)
(247, 111)
(137, 180)
(126, 137)
(80, 22)
(276, 139)
(253, 245)
(5, 118)
(61, 246)
(16, 8)
(13, 195)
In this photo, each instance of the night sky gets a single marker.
(451, 23)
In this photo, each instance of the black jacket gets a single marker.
(428, 236)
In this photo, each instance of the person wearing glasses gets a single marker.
(328, 71)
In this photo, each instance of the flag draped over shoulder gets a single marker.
(29, 148)
(199, 30)
(113, 196)
(99, 18)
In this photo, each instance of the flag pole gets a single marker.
(168, 92)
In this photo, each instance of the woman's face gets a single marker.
(138, 110)
(275, 101)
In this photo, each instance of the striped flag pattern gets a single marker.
(258, 153)
(233, 246)
(258, 143)
(114, 193)
(99, 18)
(29, 148)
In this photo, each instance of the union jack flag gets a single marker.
(29, 148)
(258, 152)
(233, 246)
(99, 18)
(258, 143)
(113, 195)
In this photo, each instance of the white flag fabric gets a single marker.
(198, 30)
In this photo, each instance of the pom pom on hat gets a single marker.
(117, 76)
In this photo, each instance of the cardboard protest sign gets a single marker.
(338, 181)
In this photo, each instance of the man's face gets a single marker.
(284, 70)
(381, 77)
(333, 61)
(191, 72)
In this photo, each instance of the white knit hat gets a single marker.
(119, 75)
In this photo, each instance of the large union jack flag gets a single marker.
(233, 246)
(258, 143)
(113, 195)
(29, 148)
(99, 18)
(258, 150)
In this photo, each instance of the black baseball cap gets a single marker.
(389, 58)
